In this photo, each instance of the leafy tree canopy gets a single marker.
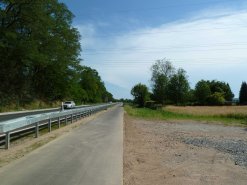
(243, 94)
(140, 94)
(178, 87)
(202, 92)
(212, 92)
(162, 71)
(39, 55)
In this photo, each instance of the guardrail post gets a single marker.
(76, 117)
(7, 140)
(59, 122)
(71, 118)
(66, 120)
(49, 125)
(37, 130)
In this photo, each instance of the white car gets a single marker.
(69, 105)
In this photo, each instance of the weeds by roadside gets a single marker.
(31, 106)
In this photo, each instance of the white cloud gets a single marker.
(210, 45)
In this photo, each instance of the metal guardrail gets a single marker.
(5, 116)
(35, 122)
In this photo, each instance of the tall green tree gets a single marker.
(39, 49)
(178, 87)
(160, 89)
(243, 94)
(221, 87)
(140, 94)
(162, 71)
(162, 67)
(216, 98)
(213, 92)
(202, 92)
(39, 55)
(94, 87)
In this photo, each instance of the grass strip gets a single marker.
(228, 119)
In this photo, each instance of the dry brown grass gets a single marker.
(36, 104)
(208, 110)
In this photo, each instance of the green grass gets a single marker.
(145, 113)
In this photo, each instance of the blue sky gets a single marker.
(122, 39)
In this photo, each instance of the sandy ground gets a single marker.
(23, 146)
(155, 154)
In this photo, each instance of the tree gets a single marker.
(162, 67)
(228, 93)
(162, 71)
(39, 49)
(178, 87)
(191, 97)
(221, 87)
(243, 94)
(39, 55)
(216, 98)
(91, 82)
(140, 94)
(208, 91)
(109, 97)
(160, 89)
(202, 92)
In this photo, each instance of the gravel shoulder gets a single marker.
(163, 152)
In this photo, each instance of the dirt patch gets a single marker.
(155, 153)
(27, 144)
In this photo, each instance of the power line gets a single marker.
(166, 32)
(153, 60)
(177, 61)
(149, 52)
(191, 64)
(198, 61)
(169, 47)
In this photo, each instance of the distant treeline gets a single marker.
(171, 86)
(39, 56)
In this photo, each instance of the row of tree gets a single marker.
(212, 93)
(171, 86)
(243, 94)
(39, 55)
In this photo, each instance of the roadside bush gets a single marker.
(140, 94)
(216, 99)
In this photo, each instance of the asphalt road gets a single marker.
(14, 115)
(91, 154)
